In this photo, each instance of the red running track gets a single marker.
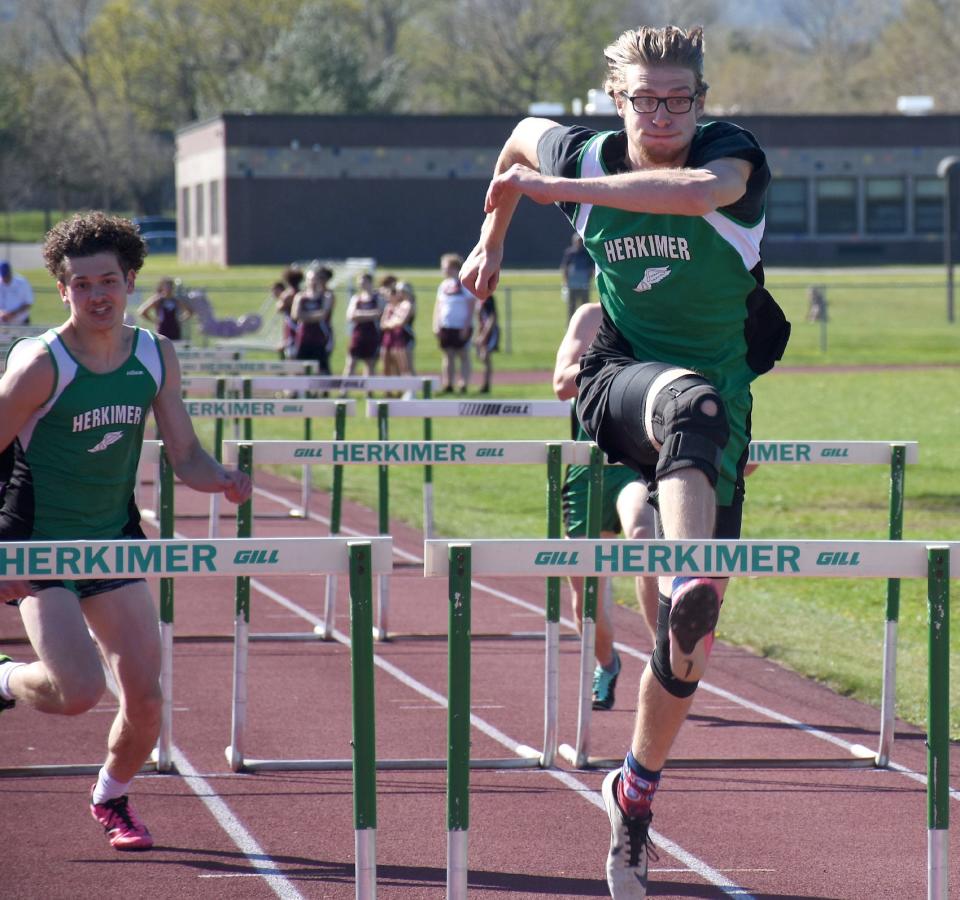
(763, 833)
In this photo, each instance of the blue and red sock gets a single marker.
(636, 788)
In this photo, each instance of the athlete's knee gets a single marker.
(690, 423)
(660, 661)
(78, 694)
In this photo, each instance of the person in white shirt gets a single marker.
(452, 323)
(16, 297)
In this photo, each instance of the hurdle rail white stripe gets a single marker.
(430, 409)
(406, 453)
(81, 560)
(715, 558)
(241, 366)
(214, 408)
(793, 453)
(309, 382)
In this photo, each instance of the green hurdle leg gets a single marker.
(888, 701)
(938, 724)
(428, 529)
(578, 754)
(364, 729)
(552, 655)
(165, 740)
(214, 527)
(241, 629)
(383, 585)
(336, 509)
(458, 722)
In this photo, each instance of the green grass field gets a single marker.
(829, 629)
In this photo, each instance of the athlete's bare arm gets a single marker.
(480, 272)
(24, 387)
(192, 464)
(677, 191)
(581, 331)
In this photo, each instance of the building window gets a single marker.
(886, 206)
(837, 206)
(787, 211)
(185, 212)
(928, 194)
(198, 215)
(214, 207)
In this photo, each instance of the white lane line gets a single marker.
(234, 829)
(225, 818)
(705, 871)
(645, 657)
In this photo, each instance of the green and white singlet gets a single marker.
(682, 290)
(75, 460)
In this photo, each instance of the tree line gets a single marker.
(92, 91)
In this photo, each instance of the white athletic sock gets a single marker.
(6, 670)
(108, 788)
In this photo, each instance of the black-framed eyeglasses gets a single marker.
(643, 103)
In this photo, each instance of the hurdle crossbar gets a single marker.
(769, 558)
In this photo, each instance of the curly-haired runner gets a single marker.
(672, 213)
(73, 403)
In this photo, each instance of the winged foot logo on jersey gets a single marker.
(111, 437)
(653, 275)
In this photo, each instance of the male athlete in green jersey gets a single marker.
(671, 211)
(73, 403)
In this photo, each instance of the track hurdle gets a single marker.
(430, 409)
(249, 454)
(894, 454)
(249, 409)
(167, 559)
(460, 561)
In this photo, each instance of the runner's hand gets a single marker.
(14, 590)
(480, 273)
(236, 485)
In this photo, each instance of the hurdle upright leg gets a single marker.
(364, 726)
(577, 755)
(383, 584)
(938, 724)
(551, 699)
(241, 629)
(165, 740)
(888, 697)
(458, 721)
(336, 510)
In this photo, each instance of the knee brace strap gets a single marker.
(689, 436)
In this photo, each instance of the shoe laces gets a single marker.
(638, 839)
(119, 809)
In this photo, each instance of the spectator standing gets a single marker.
(452, 321)
(487, 339)
(292, 279)
(16, 297)
(363, 316)
(393, 327)
(165, 310)
(576, 274)
(310, 313)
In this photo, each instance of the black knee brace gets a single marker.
(660, 661)
(689, 436)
